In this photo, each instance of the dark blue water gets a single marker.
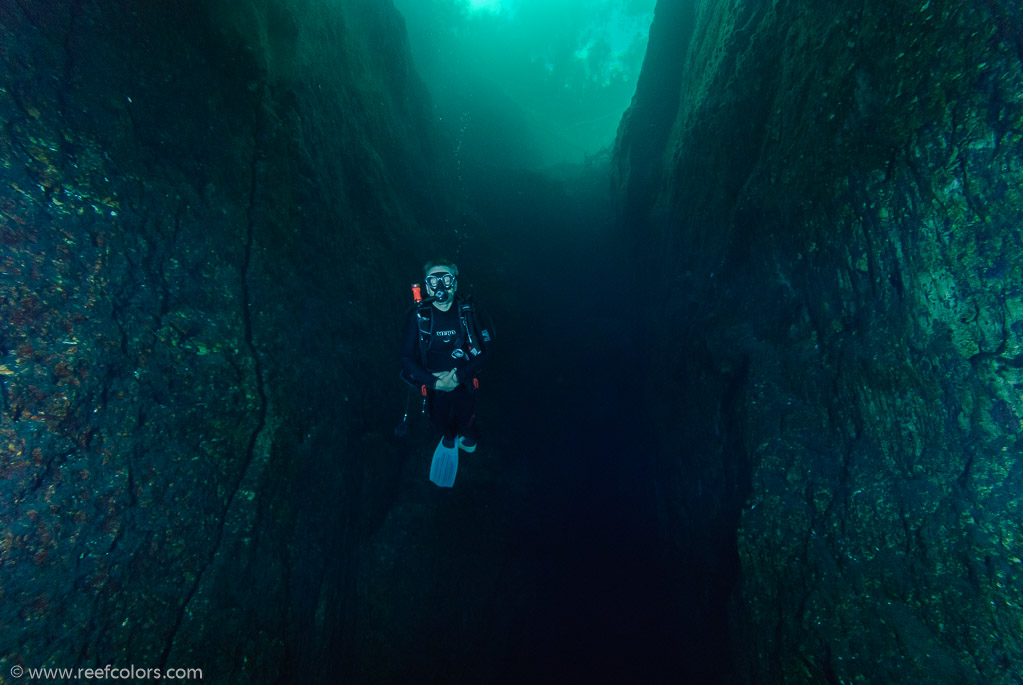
(571, 420)
(545, 562)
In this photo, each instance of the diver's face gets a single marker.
(440, 278)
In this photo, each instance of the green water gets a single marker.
(529, 83)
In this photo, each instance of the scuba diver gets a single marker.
(445, 343)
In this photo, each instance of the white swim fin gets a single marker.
(445, 465)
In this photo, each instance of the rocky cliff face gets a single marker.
(197, 202)
(837, 236)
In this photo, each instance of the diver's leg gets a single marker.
(443, 414)
(464, 406)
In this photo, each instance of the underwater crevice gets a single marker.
(259, 381)
(111, 581)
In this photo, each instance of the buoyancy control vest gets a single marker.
(470, 340)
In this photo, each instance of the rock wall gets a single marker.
(198, 202)
(837, 239)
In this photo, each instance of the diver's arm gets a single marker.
(473, 367)
(484, 340)
(411, 369)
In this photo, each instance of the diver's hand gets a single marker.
(446, 380)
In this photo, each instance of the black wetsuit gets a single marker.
(446, 344)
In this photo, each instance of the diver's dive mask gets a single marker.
(440, 279)
(439, 284)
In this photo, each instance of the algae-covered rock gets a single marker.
(193, 196)
(839, 215)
